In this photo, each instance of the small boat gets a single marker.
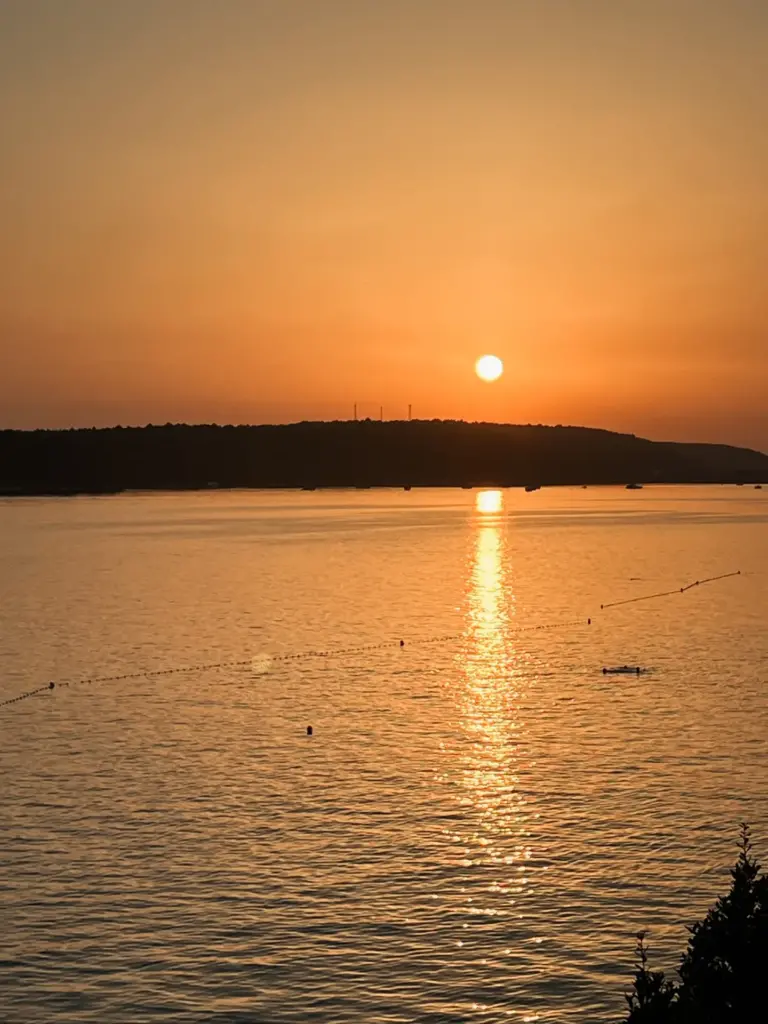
(624, 670)
(758, 487)
(532, 487)
(634, 487)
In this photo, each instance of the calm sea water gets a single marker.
(478, 826)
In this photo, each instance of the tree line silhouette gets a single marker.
(365, 453)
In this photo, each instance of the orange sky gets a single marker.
(254, 210)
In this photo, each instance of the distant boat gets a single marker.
(634, 487)
(758, 487)
(309, 488)
(624, 670)
(532, 487)
(407, 487)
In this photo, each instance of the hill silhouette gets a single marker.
(365, 453)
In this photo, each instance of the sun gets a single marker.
(489, 368)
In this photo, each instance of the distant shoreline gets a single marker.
(355, 454)
(346, 488)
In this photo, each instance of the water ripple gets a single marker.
(475, 831)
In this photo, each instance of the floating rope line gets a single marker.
(29, 693)
(344, 651)
(271, 659)
(669, 593)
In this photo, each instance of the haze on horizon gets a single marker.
(267, 210)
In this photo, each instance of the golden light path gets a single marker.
(489, 503)
(495, 829)
(491, 698)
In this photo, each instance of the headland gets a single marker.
(364, 453)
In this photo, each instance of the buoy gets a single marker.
(402, 643)
(309, 730)
(589, 622)
(51, 686)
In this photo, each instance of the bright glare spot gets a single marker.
(489, 368)
(489, 502)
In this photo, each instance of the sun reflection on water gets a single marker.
(490, 712)
(489, 502)
(494, 835)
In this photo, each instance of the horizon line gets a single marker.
(151, 425)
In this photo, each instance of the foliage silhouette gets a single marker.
(365, 453)
(722, 973)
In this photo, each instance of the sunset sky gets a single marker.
(267, 210)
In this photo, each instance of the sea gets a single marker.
(481, 820)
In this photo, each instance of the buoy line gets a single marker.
(345, 651)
